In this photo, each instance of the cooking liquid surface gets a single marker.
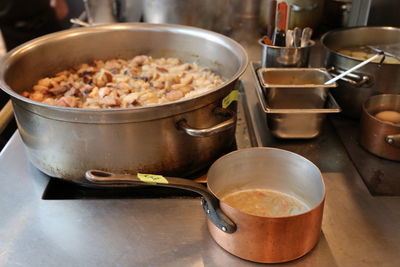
(262, 202)
(364, 52)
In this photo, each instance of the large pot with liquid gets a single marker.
(374, 78)
(174, 138)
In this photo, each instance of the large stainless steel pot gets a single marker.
(353, 90)
(174, 138)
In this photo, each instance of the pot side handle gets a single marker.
(221, 127)
(351, 78)
(209, 202)
(393, 140)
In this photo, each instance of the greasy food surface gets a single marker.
(389, 116)
(119, 83)
(363, 53)
(262, 202)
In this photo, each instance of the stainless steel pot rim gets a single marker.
(221, 39)
(311, 43)
(375, 118)
(281, 151)
(265, 83)
(324, 36)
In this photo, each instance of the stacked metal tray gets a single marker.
(295, 101)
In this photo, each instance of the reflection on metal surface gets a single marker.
(359, 13)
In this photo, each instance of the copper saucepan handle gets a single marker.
(223, 126)
(393, 139)
(209, 202)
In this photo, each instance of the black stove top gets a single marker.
(381, 176)
(66, 189)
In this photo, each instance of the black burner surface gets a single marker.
(381, 176)
(65, 189)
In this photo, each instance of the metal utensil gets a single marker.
(305, 36)
(380, 54)
(297, 37)
(79, 22)
(289, 38)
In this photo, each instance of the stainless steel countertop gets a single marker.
(358, 229)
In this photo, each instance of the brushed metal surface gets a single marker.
(65, 142)
(357, 229)
(294, 77)
(295, 88)
(285, 57)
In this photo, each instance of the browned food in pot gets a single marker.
(119, 83)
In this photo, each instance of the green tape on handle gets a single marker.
(152, 178)
(233, 96)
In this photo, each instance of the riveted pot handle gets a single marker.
(209, 202)
(351, 78)
(393, 140)
(221, 127)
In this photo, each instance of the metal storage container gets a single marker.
(296, 100)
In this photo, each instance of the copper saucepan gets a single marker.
(251, 237)
(377, 136)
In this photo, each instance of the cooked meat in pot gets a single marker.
(119, 83)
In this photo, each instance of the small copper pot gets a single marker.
(268, 239)
(255, 238)
(379, 137)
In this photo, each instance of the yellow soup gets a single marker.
(262, 202)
